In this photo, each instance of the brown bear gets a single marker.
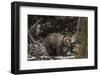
(57, 44)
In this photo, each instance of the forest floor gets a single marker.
(38, 52)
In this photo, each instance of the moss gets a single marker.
(82, 50)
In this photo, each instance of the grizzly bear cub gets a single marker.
(57, 44)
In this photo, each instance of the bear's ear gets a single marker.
(66, 40)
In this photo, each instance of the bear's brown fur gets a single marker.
(56, 43)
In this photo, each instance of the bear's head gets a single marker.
(66, 41)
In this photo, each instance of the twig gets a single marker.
(31, 37)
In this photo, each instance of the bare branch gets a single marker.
(31, 37)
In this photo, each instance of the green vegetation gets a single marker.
(82, 49)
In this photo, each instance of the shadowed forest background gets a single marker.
(39, 27)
